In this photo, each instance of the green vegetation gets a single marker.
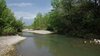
(8, 23)
(79, 18)
(41, 21)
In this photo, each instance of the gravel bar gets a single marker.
(6, 43)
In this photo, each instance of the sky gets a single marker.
(28, 9)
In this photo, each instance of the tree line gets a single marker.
(80, 18)
(8, 23)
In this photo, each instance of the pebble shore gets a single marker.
(7, 42)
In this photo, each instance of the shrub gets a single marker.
(8, 31)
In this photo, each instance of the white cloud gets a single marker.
(20, 4)
(25, 15)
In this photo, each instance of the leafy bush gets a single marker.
(9, 31)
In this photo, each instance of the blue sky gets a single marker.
(28, 9)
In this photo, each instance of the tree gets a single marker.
(73, 17)
(8, 22)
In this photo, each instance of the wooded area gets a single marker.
(8, 23)
(79, 18)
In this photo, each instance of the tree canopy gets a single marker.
(73, 17)
(8, 23)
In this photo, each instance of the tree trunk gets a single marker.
(99, 2)
(95, 2)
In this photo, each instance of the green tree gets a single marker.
(8, 22)
(73, 17)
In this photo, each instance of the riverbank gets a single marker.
(7, 42)
(38, 31)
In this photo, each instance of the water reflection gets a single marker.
(56, 45)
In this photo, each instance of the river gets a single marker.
(55, 45)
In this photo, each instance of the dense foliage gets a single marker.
(73, 17)
(8, 23)
(40, 22)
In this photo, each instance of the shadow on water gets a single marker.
(55, 45)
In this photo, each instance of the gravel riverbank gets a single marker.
(7, 42)
(38, 31)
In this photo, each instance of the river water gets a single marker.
(55, 45)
